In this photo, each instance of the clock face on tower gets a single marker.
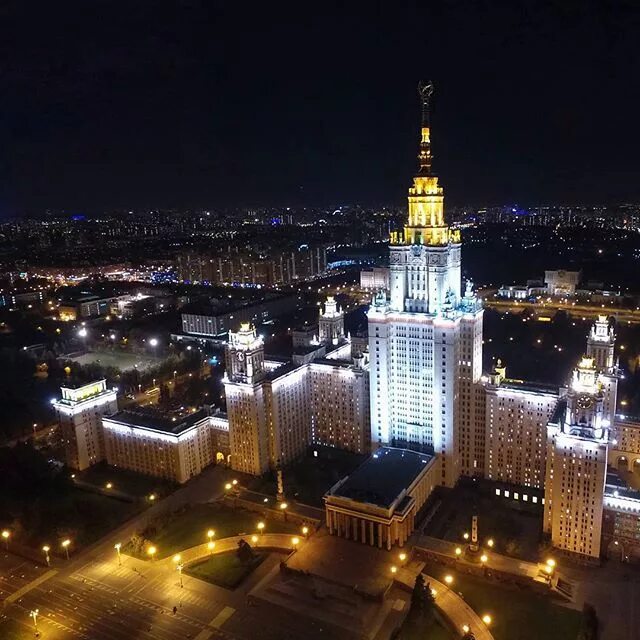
(240, 356)
(584, 401)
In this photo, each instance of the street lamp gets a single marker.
(117, 546)
(465, 535)
(109, 485)
(152, 497)
(254, 538)
(46, 549)
(34, 614)
(210, 534)
(490, 542)
(261, 527)
(551, 562)
(305, 531)
(153, 342)
(151, 551)
(486, 618)
(283, 506)
(65, 546)
(6, 534)
(211, 545)
(458, 551)
(179, 567)
(227, 486)
(448, 579)
(483, 558)
(295, 541)
(402, 557)
(465, 628)
(394, 569)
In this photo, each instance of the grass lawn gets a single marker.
(518, 614)
(97, 515)
(515, 526)
(187, 528)
(225, 569)
(129, 482)
(310, 478)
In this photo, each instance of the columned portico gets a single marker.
(394, 484)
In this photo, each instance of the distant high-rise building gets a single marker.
(425, 342)
(80, 411)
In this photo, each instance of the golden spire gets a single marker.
(426, 224)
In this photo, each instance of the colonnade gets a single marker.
(370, 531)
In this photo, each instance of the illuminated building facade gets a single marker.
(425, 340)
(174, 448)
(576, 465)
(80, 411)
(517, 414)
(277, 408)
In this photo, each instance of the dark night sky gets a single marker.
(159, 104)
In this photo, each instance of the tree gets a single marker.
(417, 595)
(165, 398)
(589, 625)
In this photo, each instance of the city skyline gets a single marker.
(177, 107)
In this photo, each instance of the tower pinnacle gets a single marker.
(425, 91)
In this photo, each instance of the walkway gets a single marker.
(451, 604)
(285, 541)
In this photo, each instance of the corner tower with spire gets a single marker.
(425, 336)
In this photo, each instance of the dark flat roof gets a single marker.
(535, 387)
(158, 421)
(383, 476)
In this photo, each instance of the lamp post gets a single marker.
(117, 547)
(283, 506)
(34, 614)
(6, 534)
(305, 531)
(210, 534)
(151, 552)
(65, 546)
(46, 550)
(177, 559)
(211, 545)
(261, 527)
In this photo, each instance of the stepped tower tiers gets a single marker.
(600, 344)
(576, 466)
(245, 355)
(331, 322)
(425, 338)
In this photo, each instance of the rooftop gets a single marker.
(531, 387)
(157, 421)
(383, 476)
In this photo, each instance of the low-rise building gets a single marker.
(378, 503)
(172, 447)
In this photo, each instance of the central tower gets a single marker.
(425, 338)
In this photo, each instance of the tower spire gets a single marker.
(425, 91)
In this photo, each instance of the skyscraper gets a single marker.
(425, 342)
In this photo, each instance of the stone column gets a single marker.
(379, 536)
(389, 538)
(364, 531)
(371, 538)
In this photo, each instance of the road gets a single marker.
(630, 316)
(93, 597)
